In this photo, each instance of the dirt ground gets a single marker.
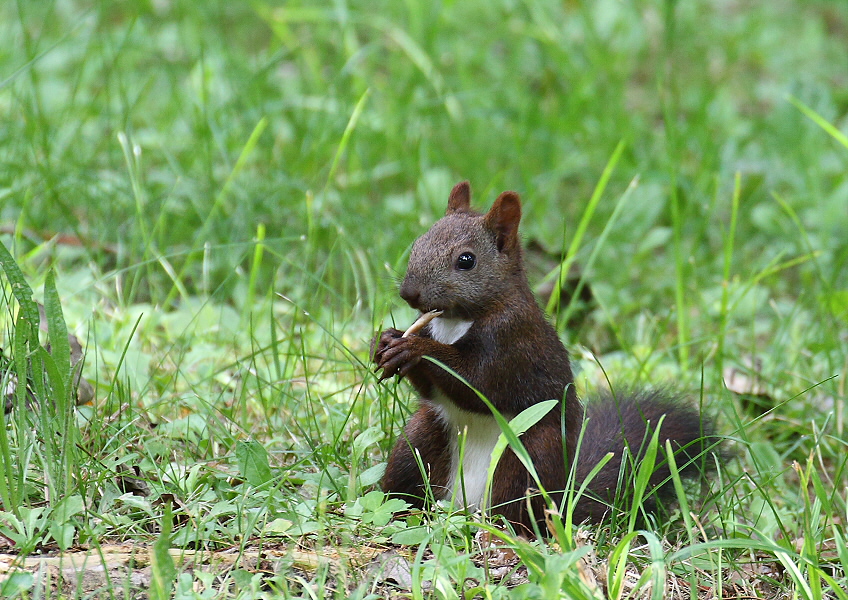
(127, 568)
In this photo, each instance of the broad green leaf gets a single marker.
(57, 331)
(25, 337)
(384, 513)
(372, 500)
(253, 462)
(411, 536)
(366, 439)
(278, 526)
(63, 534)
(68, 507)
(372, 475)
(20, 288)
(16, 583)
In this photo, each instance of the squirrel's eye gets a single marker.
(466, 261)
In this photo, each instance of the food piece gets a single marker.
(421, 322)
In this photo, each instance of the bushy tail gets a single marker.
(624, 423)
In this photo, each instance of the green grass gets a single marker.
(217, 200)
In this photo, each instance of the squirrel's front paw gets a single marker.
(396, 355)
(380, 344)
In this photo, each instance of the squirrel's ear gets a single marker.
(503, 219)
(460, 198)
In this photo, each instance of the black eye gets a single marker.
(466, 261)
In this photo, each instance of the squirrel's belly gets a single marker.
(474, 436)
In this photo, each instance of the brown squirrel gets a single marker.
(492, 332)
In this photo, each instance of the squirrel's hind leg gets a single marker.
(512, 483)
(424, 438)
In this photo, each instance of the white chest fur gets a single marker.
(474, 435)
(448, 331)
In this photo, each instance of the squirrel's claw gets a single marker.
(397, 358)
(380, 344)
(402, 372)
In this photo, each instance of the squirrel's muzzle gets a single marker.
(411, 293)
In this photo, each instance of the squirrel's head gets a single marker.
(467, 260)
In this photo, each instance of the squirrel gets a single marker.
(492, 332)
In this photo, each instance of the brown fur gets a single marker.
(426, 435)
(514, 357)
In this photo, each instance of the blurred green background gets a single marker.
(158, 152)
(128, 124)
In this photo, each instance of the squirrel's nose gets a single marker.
(410, 293)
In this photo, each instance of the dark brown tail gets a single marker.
(623, 424)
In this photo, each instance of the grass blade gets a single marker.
(348, 132)
(820, 121)
(588, 212)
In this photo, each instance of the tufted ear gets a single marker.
(503, 219)
(460, 198)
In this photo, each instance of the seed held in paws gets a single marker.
(421, 322)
